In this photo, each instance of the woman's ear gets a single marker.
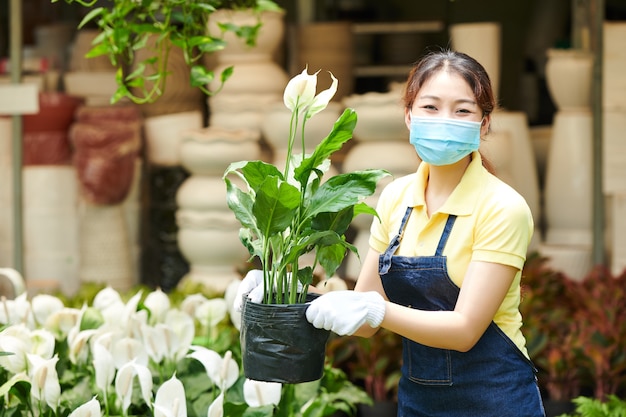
(407, 118)
(485, 125)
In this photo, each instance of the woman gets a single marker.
(445, 259)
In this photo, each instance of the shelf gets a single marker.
(398, 27)
(388, 28)
(381, 70)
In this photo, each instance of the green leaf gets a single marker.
(340, 134)
(337, 221)
(241, 204)
(344, 190)
(275, 205)
(256, 172)
(90, 16)
(201, 76)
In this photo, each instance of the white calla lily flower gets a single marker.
(260, 393)
(44, 380)
(90, 409)
(124, 383)
(170, 399)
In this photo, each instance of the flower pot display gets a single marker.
(107, 142)
(45, 139)
(278, 344)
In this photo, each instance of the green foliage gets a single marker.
(285, 215)
(575, 330)
(127, 26)
(592, 407)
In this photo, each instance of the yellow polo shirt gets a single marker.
(494, 224)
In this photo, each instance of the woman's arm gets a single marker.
(484, 287)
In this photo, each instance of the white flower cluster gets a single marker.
(122, 346)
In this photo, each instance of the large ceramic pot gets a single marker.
(278, 344)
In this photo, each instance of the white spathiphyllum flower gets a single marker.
(44, 306)
(128, 349)
(107, 297)
(216, 409)
(300, 91)
(104, 366)
(61, 321)
(158, 303)
(42, 343)
(211, 312)
(159, 341)
(16, 340)
(124, 383)
(17, 311)
(170, 399)
(260, 393)
(299, 95)
(191, 303)
(90, 409)
(78, 343)
(44, 380)
(184, 328)
(224, 372)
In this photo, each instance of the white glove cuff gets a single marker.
(376, 309)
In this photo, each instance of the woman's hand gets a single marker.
(344, 312)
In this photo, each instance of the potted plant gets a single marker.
(575, 332)
(128, 25)
(288, 212)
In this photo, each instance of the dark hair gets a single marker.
(456, 62)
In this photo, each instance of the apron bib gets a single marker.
(494, 378)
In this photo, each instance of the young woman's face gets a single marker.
(447, 95)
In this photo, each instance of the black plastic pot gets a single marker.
(278, 344)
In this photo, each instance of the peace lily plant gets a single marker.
(294, 210)
(142, 355)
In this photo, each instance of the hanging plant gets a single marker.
(126, 26)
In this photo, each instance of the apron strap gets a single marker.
(446, 233)
(385, 258)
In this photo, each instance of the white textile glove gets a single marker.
(344, 312)
(254, 285)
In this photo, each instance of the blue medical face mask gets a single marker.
(440, 141)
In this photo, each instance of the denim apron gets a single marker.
(494, 378)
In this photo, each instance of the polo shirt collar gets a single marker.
(463, 199)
